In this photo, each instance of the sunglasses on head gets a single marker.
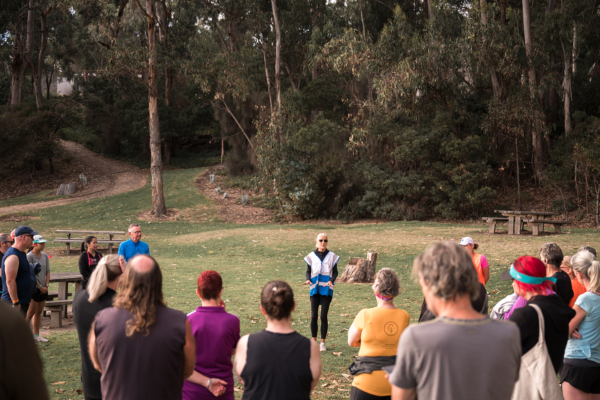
(323, 240)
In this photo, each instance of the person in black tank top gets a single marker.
(277, 363)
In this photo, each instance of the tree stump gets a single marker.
(360, 270)
(66, 188)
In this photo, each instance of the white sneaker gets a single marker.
(322, 347)
(40, 339)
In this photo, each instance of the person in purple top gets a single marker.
(216, 333)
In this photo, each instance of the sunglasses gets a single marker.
(323, 240)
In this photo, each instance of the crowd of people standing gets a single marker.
(540, 342)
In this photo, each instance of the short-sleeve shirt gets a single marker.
(128, 249)
(44, 262)
(588, 347)
(454, 359)
(216, 333)
(380, 331)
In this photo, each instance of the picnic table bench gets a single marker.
(58, 307)
(68, 240)
(492, 221)
(517, 219)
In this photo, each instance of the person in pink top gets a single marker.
(216, 333)
(479, 261)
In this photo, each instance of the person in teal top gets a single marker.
(580, 374)
(133, 246)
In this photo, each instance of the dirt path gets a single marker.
(107, 177)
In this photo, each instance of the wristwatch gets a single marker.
(16, 304)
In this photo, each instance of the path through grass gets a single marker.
(248, 256)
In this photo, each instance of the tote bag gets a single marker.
(537, 379)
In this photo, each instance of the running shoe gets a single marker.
(40, 339)
(322, 347)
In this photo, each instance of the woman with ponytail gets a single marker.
(580, 374)
(87, 303)
(88, 259)
(277, 363)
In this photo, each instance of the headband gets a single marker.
(383, 297)
(532, 280)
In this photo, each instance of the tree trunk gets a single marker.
(158, 198)
(430, 10)
(497, 88)
(360, 270)
(518, 175)
(161, 13)
(17, 65)
(277, 56)
(529, 46)
(567, 78)
(264, 51)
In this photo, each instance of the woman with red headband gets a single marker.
(544, 327)
(217, 333)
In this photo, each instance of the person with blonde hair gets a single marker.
(377, 350)
(580, 374)
(578, 288)
(99, 294)
(143, 349)
(321, 273)
(277, 363)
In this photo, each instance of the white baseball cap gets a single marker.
(466, 240)
(39, 239)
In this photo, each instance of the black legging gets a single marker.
(315, 301)
(357, 394)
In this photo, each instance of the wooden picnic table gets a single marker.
(58, 307)
(517, 218)
(68, 240)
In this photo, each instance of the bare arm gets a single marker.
(93, 350)
(579, 316)
(189, 351)
(353, 336)
(403, 394)
(486, 274)
(11, 266)
(315, 364)
(239, 362)
(217, 386)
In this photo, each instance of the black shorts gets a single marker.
(357, 394)
(38, 296)
(586, 379)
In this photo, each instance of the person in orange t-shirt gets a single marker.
(578, 288)
(377, 331)
(479, 261)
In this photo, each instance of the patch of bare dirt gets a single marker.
(170, 215)
(231, 209)
(105, 177)
(14, 218)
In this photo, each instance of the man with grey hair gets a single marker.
(5, 243)
(588, 248)
(134, 246)
(552, 257)
(485, 354)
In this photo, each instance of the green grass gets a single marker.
(31, 198)
(248, 256)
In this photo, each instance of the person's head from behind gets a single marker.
(210, 285)
(107, 272)
(135, 232)
(387, 283)
(587, 270)
(551, 254)
(141, 293)
(529, 275)
(5, 242)
(277, 300)
(566, 267)
(445, 272)
(588, 248)
(90, 243)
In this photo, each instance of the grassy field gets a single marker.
(32, 198)
(248, 256)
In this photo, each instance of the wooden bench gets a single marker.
(535, 225)
(56, 309)
(68, 240)
(492, 221)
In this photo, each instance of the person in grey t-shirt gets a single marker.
(461, 355)
(40, 294)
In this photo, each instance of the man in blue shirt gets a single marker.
(133, 246)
